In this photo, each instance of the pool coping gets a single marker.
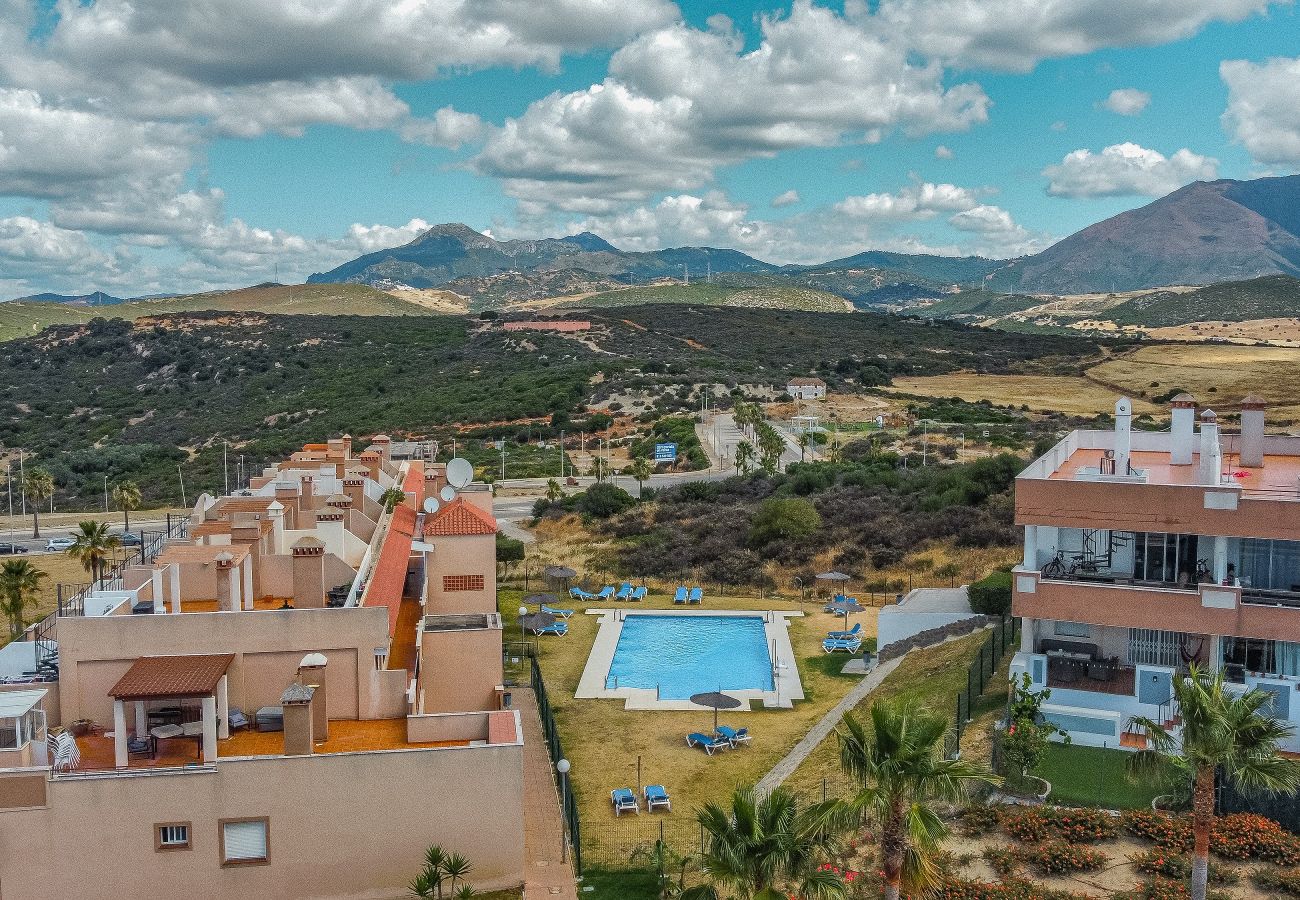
(787, 686)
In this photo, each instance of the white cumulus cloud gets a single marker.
(1263, 112)
(1127, 169)
(787, 198)
(1127, 101)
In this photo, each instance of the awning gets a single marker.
(172, 677)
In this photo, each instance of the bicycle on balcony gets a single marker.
(1058, 568)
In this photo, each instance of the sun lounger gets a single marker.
(733, 736)
(655, 795)
(680, 596)
(638, 595)
(709, 744)
(624, 591)
(848, 645)
(845, 635)
(560, 628)
(605, 593)
(579, 594)
(556, 611)
(624, 801)
(696, 595)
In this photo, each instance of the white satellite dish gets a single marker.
(460, 472)
(448, 493)
(431, 505)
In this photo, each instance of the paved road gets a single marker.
(22, 534)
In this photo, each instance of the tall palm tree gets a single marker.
(126, 494)
(92, 545)
(553, 490)
(759, 843)
(900, 769)
(805, 441)
(772, 445)
(20, 582)
(640, 470)
(744, 456)
(38, 486)
(1221, 731)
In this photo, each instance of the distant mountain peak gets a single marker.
(590, 242)
(455, 230)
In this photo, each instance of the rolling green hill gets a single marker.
(760, 296)
(976, 305)
(21, 318)
(1270, 297)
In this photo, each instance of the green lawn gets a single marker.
(1093, 776)
(605, 884)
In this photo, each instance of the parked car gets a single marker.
(129, 539)
(59, 544)
(12, 549)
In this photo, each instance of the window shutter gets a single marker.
(245, 840)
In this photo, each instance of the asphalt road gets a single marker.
(22, 535)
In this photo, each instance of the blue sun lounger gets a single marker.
(638, 595)
(848, 645)
(605, 593)
(837, 635)
(696, 595)
(624, 591)
(624, 801)
(734, 736)
(579, 594)
(680, 596)
(655, 795)
(708, 744)
(560, 628)
(556, 611)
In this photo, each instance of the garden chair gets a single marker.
(734, 736)
(696, 595)
(556, 611)
(655, 795)
(624, 801)
(638, 595)
(680, 596)
(708, 744)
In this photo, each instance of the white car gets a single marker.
(59, 544)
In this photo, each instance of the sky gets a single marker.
(152, 146)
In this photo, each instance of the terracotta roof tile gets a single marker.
(388, 581)
(159, 677)
(458, 518)
(414, 483)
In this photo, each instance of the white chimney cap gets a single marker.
(312, 660)
(1209, 416)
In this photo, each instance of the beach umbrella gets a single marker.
(539, 599)
(560, 574)
(832, 577)
(536, 621)
(715, 700)
(843, 608)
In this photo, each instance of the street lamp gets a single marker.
(563, 768)
(105, 493)
(523, 611)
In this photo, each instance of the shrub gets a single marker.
(1008, 889)
(1164, 889)
(1028, 825)
(1002, 860)
(600, 501)
(1079, 826)
(785, 520)
(991, 595)
(1250, 836)
(978, 819)
(1170, 832)
(1061, 858)
(1162, 863)
(1028, 733)
(1281, 882)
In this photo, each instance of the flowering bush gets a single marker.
(1079, 826)
(1160, 861)
(1282, 882)
(1164, 889)
(1002, 860)
(1060, 858)
(1248, 836)
(977, 819)
(1172, 832)
(1027, 824)
(1010, 889)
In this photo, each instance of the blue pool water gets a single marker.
(687, 655)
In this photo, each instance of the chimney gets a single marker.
(1123, 435)
(1211, 454)
(346, 440)
(227, 589)
(296, 703)
(329, 524)
(311, 672)
(383, 443)
(287, 496)
(275, 512)
(372, 460)
(1183, 430)
(1252, 432)
(355, 488)
(306, 491)
(308, 574)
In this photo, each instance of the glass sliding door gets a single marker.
(1167, 559)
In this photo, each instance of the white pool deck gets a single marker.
(787, 688)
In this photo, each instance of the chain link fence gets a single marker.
(1004, 636)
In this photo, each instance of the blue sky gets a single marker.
(156, 147)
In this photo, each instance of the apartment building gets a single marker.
(292, 694)
(1146, 552)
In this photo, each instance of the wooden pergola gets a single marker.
(154, 678)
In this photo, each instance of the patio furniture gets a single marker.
(679, 597)
(270, 718)
(624, 801)
(140, 746)
(638, 595)
(605, 593)
(624, 591)
(558, 628)
(845, 635)
(67, 755)
(237, 720)
(555, 611)
(1103, 670)
(579, 594)
(708, 744)
(848, 645)
(734, 736)
(696, 595)
(655, 795)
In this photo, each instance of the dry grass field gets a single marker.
(1041, 393)
(1279, 332)
(59, 568)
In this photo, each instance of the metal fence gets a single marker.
(1004, 636)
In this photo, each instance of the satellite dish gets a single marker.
(448, 493)
(431, 505)
(460, 472)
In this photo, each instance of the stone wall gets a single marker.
(932, 636)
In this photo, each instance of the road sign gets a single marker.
(665, 452)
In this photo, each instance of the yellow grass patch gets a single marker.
(1041, 393)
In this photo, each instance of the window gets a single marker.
(452, 583)
(172, 836)
(245, 842)
(1073, 629)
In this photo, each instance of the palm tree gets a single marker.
(1221, 730)
(126, 495)
(805, 441)
(19, 583)
(760, 843)
(391, 498)
(92, 544)
(38, 486)
(744, 456)
(553, 490)
(900, 768)
(772, 445)
(640, 470)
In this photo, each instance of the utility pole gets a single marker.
(686, 275)
(22, 482)
(561, 453)
(9, 478)
(502, 445)
(925, 439)
(225, 465)
(182, 480)
(105, 493)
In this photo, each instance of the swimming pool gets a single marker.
(685, 655)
